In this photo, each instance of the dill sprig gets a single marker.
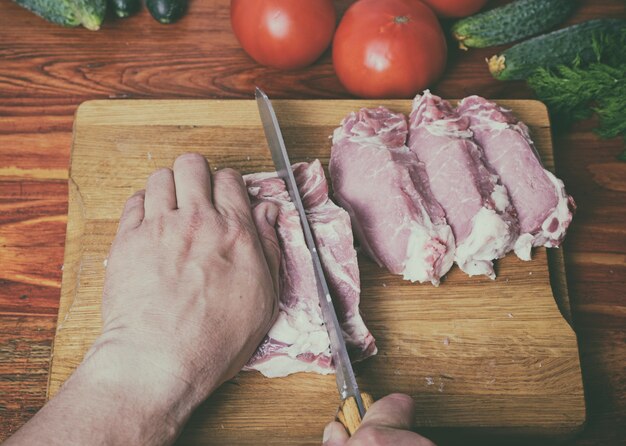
(574, 91)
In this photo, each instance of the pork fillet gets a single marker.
(380, 182)
(298, 341)
(543, 207)
(476, 205)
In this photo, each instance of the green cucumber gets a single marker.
(89, 13)
(61, 12)
(166, 11)
(557, 48)
(511, 22)
(124, 8)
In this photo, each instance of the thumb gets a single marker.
(335, 435)
(394, 411)
(265, 215)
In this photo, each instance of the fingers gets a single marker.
(394, 411)
(193, 181)
(335, 435)
(133, 213)
(189, 185)
(389, 421)
(230, 195)
(265, 215)
(160, 193)
(385, 436)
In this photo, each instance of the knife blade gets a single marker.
(344, 374)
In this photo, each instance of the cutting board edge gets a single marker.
(72, 254)
(90, 106)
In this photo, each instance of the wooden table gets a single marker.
(47, 71)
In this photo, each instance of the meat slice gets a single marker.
(330, 225)
(298, 341)
(476, 205)
(543, 207)
(380, 182)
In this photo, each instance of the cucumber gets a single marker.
(511, 22)
(61, 12)
(166, 11)
(124, 8)
(89, 13)
(557, 48)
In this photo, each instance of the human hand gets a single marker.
(191, 284)
(387, 422)
(190, 291)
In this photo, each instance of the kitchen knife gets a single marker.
(354, 404)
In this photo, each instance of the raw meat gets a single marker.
(543, 207)
(476, 205)
(330, 225)
(298, 341)
(380, 182)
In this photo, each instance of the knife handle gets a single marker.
(348, 413)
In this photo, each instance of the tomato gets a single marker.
(455, 8)
(284, 34)
(388, 48)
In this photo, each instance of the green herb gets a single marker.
(574, 91)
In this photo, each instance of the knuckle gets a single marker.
(157, 226)
(245, 217)
(238, 233)
(260, 210)
(235, 240)
(195, 217)
(242, 232)
(228, 174)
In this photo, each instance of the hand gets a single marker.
(191, 283)
(387, 423)
(190, 291)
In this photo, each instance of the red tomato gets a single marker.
(455, 8)
(388, 48)
(284, 34)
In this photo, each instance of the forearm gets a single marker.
(105, 402)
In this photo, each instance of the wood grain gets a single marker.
(499, 346)
(47, 71)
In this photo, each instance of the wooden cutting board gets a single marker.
(478, 356)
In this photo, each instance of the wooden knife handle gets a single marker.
(348, 413)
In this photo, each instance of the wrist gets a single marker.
(145, 400)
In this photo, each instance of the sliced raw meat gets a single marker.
(380, 182)
(298, 341)
(330, 225)
(476, 206)
(543, 207)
